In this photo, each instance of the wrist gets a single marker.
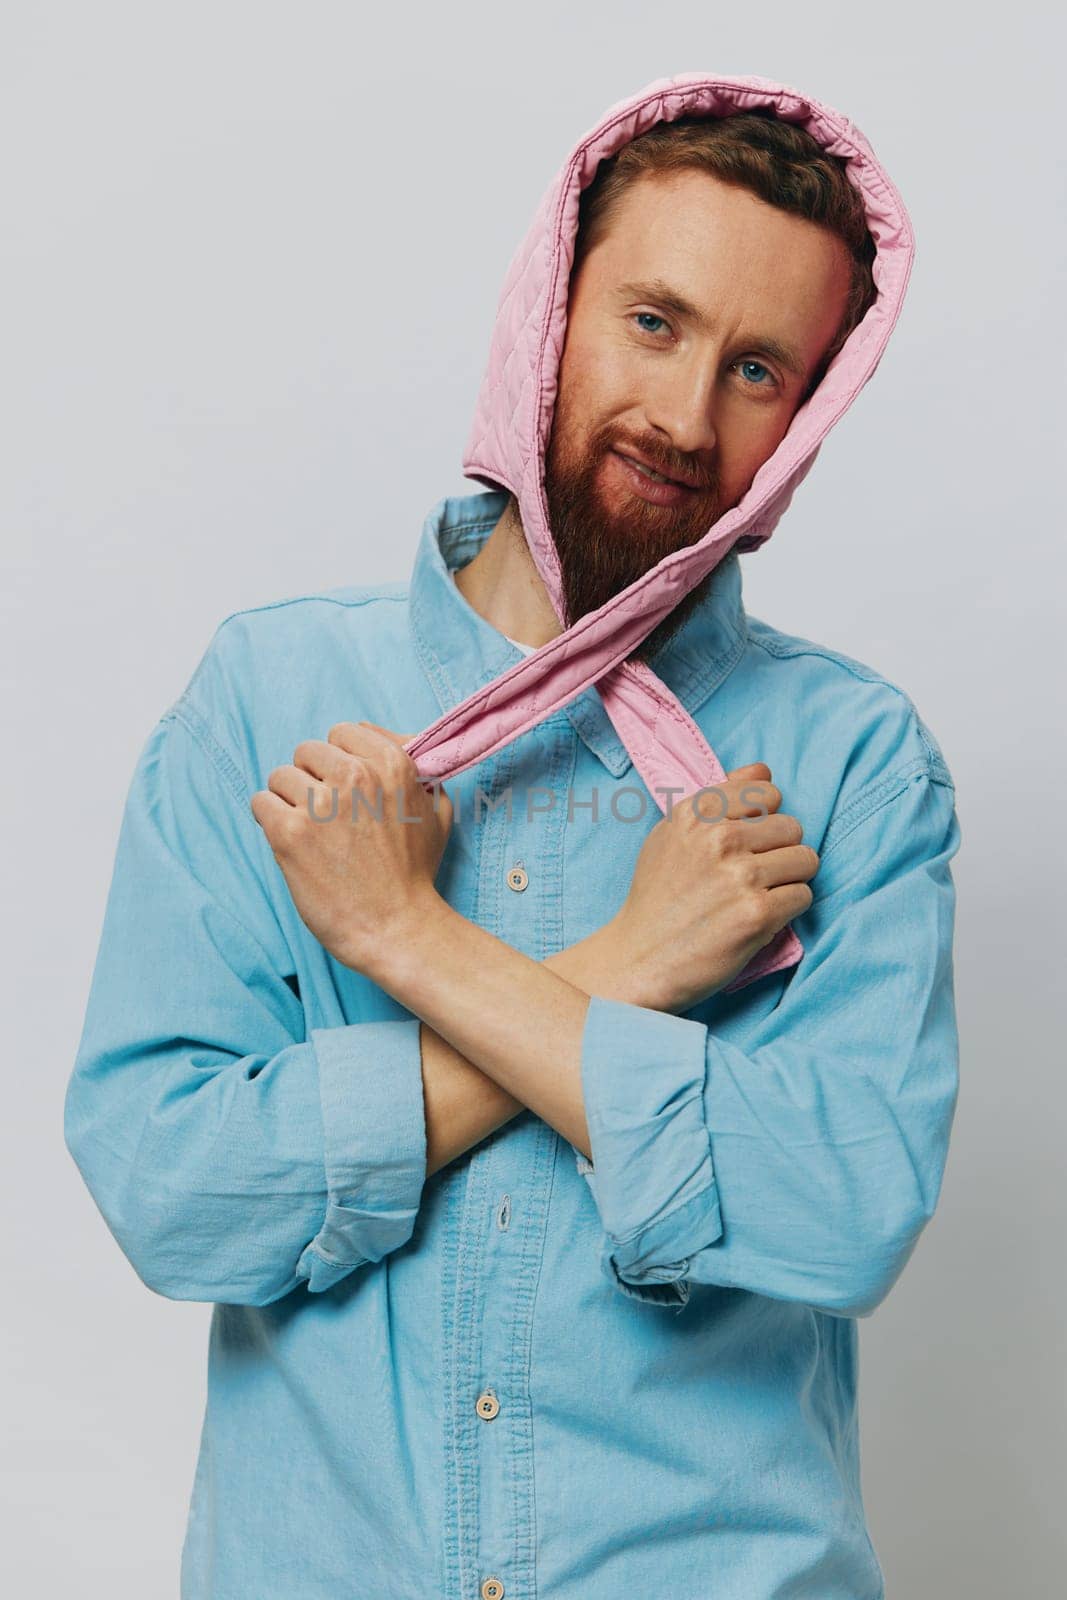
(637, 983)
(607, 963)
(401, 946)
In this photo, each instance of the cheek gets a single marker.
(586, 402)
(752, 432)
(600, 371)
(747, 436)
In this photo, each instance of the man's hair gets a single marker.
(778, 161)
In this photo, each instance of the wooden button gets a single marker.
(488, 1405)
(517, 879)
(492, 1589)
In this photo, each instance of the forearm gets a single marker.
(463, 1103)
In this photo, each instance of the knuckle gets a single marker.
(396, 764)
(283, 835)
(751, 872)
(730, 837)
(704, 806)
(753, 911)
(760, 794)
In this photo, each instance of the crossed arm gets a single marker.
(480, 994)
(500, 1031)
(234, 1156)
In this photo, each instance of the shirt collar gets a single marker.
(460, 651)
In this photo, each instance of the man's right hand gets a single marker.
(707, 895)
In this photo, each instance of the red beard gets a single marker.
(601, 554)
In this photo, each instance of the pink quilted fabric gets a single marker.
(510, 432)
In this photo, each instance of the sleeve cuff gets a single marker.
(651, 1176)
(374, 1126)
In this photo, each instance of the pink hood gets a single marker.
(513, 419)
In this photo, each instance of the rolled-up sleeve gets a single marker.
(804, 1164)
(374, 1144)
(231, 1156)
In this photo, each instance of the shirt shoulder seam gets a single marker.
(397, 591)
(783, 646)
(775, 643)
(880, 793)
(184, 711)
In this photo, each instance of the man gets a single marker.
(536, 1204)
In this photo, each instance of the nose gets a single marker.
(682, 407)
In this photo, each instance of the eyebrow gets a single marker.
(660, 291)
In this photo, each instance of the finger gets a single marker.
(749, 780)
(361, 739)
(788, 901)
(317, 757)
(754, 796)
(758, 769)
(796, 863)
(324, 761)
(268, 808)
(749, 798)
(776, 831)
(293, 784)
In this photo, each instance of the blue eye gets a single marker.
(757, 375)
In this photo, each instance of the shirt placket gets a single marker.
(500, 1206)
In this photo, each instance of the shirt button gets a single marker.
(488, 1405)
(492, 1589)
(517, 880)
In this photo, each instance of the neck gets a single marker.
(503, 585)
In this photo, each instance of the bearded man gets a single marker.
(538, 1152)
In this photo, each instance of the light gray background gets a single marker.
(250, 257)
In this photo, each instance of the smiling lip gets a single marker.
(680, 483)
(652, 490)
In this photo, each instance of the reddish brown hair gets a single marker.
(778, 161)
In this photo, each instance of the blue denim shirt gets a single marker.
(529, 1374)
